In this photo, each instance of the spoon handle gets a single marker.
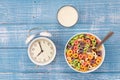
(106, 37)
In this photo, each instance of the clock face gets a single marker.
(41, 51)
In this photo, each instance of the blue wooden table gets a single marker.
(18, 16)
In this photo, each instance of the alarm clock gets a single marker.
(41, 49)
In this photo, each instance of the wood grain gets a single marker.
(18, 16)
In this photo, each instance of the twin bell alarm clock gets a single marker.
(41, 49)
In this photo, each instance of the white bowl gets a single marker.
(103, 54)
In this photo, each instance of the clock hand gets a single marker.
(40, 47)
(39, 53)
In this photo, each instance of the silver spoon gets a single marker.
(105, 38)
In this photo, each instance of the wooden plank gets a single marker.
(59, 76)
(35, 11)
(18, 16)
(16, 60)
(15, 35)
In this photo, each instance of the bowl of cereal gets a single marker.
(80, 52)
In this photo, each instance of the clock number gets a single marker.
(35, 57)
(51, 53)
(35, 45)
(33, 49)
(49, 57)
(51, 47)
(44, 42)
(48, 43)
(44, 60)
(32, 55)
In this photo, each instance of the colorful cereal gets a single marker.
(98, 60)
(90, 56)
(80, 54)
(69, 53)
(75, 55)
(69, 59)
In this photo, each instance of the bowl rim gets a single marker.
(103, 52)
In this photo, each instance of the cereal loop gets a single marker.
(90, 56)
(84, 69)
(94, 65)
(75, 51)
(98, 60)
(92, 37)
(85, 64)
(75, 55)
(87, 41)
(80, 56)
(69, 59)
(84, 56)
(76, 42)
(75, 47)
(69, 53)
